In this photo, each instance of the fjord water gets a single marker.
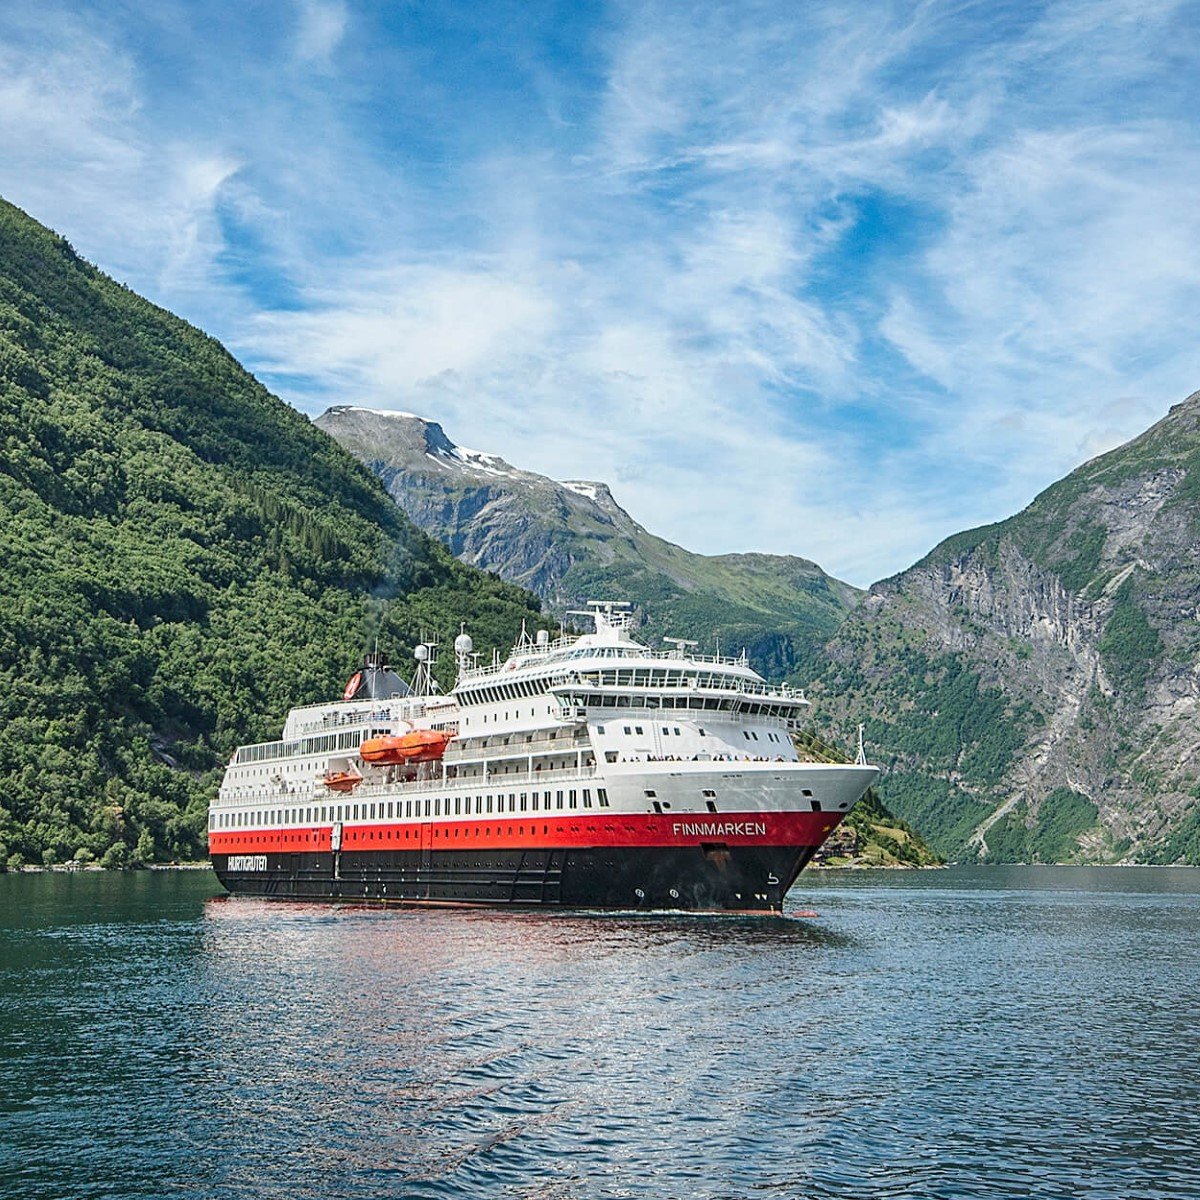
(963, 1033)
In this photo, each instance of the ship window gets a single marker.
(650, 794)
(356, 812)
(710, 806)
(708, 792)
(610, 756)
(512, 801)
(428, 807)
(628, 730)
(489, 804)
(524, 797)
(657, 807)
(806, 792)
(677, 733)
(408, 808)
(602, 796)
(571, 799)
(587, 798)
(666, 731)
(701, 732)
(546, 799)
(816, 806)
(558, 800)
(638, 730)
(457, 807)
(437, 807)
(599, 728)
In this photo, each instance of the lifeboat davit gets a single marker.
(422, 745)
(342, 781)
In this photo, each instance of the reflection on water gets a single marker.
(958, 1033)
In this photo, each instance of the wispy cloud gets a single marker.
(825, 279)
(321, 28)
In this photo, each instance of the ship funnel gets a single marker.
(375, 680)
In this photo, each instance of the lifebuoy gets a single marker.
(352, 686)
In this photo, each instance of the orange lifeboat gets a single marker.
(342, 781)
(422, 745)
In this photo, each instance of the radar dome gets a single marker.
(463, 644)
(421, 653)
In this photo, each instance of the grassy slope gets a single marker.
(184, 556)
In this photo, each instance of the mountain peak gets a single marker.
(572, 541)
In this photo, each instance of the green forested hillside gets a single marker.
(184, 557)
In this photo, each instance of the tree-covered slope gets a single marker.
(1034, 685)
(184, 557)
(571, 542)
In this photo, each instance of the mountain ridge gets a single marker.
(570, 540)
(1033, 682)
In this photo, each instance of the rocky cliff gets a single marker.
(570, 542)
(1033, 685)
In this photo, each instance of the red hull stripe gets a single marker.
(512, 832)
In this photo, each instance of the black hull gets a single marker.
(707, 878)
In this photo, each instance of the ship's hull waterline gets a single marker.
(709, 878)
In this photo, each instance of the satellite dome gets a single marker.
(463, 644)
(421, 653)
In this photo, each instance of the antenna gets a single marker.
(861, 760)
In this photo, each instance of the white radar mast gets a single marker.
(609, 615)
(426, 655)
(680, 646)
(464, 649)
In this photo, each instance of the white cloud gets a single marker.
(824, 279)
(322, 25)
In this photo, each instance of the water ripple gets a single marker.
(952, 1034)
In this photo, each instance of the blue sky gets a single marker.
(824, 279)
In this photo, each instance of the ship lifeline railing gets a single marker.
(560, 651)
(406, 788)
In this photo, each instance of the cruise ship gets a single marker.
(580, 771)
